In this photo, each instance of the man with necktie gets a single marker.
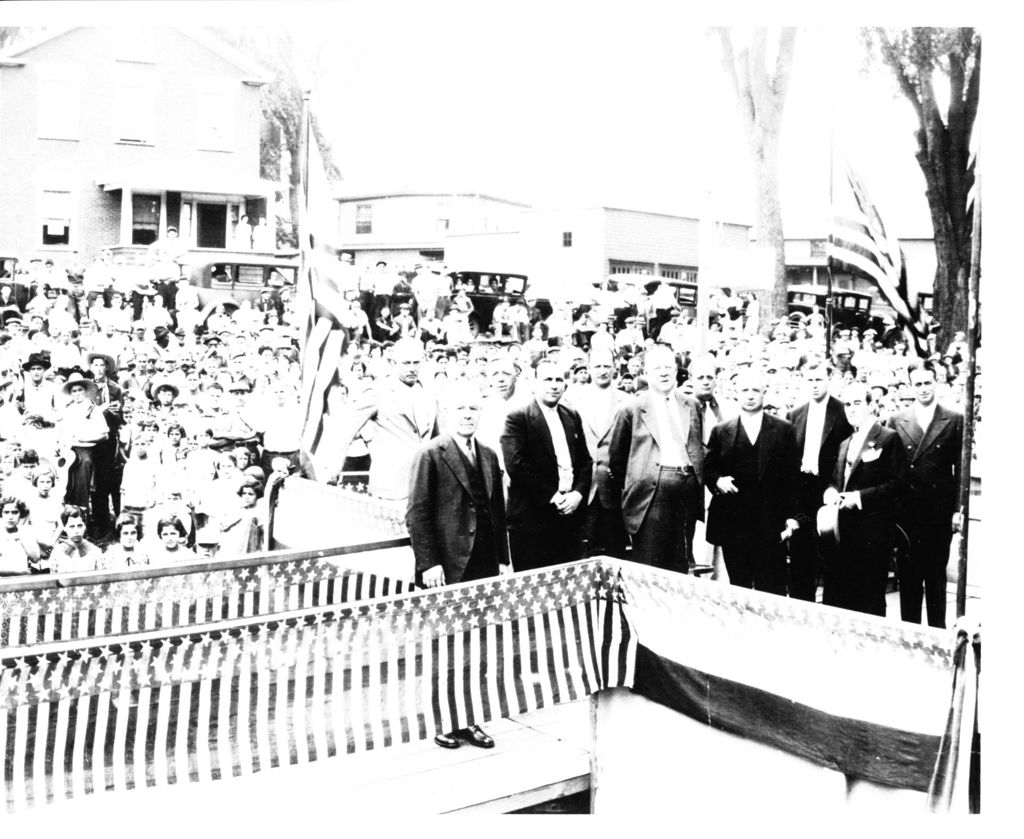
(456, 514)
(870, 476)
(656, 457)
(931, 436)
(549, 469)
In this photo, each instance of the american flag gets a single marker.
(859, 243)
(321, 302)
(239, 696)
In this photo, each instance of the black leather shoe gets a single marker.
(475, 735)
(446, 741)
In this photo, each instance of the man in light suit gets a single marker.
(750, 467)
(456, 514)
(821, 426)
(656, 457)
(931, 436)
(870, 476)
(597, 404)
(549, 469)
(406, 417)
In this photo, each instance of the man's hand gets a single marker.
(849, 500)
(433, 576)
(567, 502)
(504, 570)
(726, 485)
(792, 525)
(958, 522)
(831, 497)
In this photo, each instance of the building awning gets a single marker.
(163, 178)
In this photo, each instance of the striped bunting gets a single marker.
(66, 608)
(244, 696)
(858, 241)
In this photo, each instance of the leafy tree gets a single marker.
(294, 71)
(761, 96)
(917, 58)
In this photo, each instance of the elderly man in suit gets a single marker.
(597, 404)
(750, 467)
(821, 426)
(456, 514)
(870, 475)
(931, 436)
(406, 417)
(549, 468)
(656, 456)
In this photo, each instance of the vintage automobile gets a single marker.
(232, 281)
(849, 308)
(485, 289)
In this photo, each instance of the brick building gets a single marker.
(110, 135)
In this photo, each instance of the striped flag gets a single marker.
(858, 243)
(321, 301)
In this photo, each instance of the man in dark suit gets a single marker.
(656, 458)
(750, 467)
(597, 404)
(931, 437)
(456, 514)
(821, 426)
(549, 469)
(869, 477)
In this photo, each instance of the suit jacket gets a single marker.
(836, 429)
(398, 435)
(934, 458)
(440, 514)
(533, 468)
(880, 475)
(736, 515)
(634, 452)
(597, 428)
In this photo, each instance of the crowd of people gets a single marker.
(136, 430)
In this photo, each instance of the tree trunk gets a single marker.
(768, 220)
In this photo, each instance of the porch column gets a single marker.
(126, 216)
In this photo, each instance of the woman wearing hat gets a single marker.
(82, 426)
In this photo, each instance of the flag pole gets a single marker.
(828, 250)
(967, 449)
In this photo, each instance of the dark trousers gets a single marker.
(665, 537)
(857, 572)
(560, 541)
(804, 547)
(755, 563)
(924, 567)
(604, 531)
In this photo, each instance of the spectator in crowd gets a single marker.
(549, 468)
(931, 435)
(170, 547)
(127, 551)
(751, 467)
(74, 552)
(456, 514)
(870, 476)
(19, 552)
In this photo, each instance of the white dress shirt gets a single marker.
(752, 424)
(924, 414)
(673, 436)
(561, 446)
(812, 438)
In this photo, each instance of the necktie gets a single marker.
(470, 450)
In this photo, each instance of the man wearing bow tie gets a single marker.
(931, 437)
(870, 476)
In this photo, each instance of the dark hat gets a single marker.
(37, 359)
(209, 339)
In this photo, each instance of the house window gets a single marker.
(56, 217)
(58, 104)
(134, 103)
(215, 117)
(145, 219)
(818, 248)
(567, 239)
(364, 218)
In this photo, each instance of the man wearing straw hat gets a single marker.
(82, 426)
